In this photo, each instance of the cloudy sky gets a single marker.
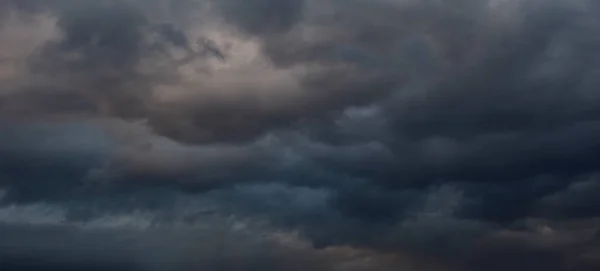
(282, 135)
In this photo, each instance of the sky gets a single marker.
(282, 135)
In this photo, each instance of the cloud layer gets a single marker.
(331, 135)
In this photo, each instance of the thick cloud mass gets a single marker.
(151, 135)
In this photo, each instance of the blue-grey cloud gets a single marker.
(433, 130)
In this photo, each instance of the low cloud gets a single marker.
(461, 134)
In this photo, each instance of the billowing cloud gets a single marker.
(322, 135)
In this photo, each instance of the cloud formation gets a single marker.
(354, 135)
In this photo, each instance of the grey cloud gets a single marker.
(551, 246)
(145, 240)
(174, 35)
(414, 126)
(71, 159)
(103, 66)
(262, 16)
(49, 160)
(160, 249)
(577, 200)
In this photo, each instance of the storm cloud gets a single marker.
(299, 134)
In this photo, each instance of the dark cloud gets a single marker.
(105, 36)
(416, 130)
(262, 16)
(160, 249)
(50, 160)
(555, 247)
(174, 35)
(578, 200)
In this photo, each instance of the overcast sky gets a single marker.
(282, 135)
